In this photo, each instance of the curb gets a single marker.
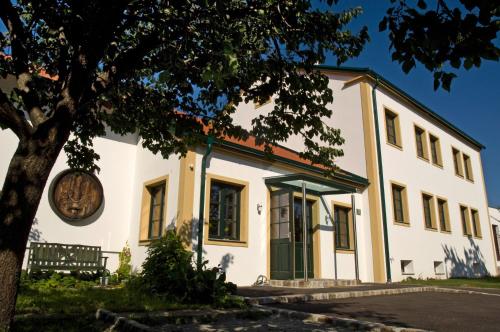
(333, 295)
(351, 324)
(121, 323)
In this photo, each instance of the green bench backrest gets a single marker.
(59, 256)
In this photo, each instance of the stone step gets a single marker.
(313, 283)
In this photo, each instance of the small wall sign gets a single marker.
(76, 194)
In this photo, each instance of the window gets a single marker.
(435, 151)
(399, 204)
(421, 143)
(157, 193)
(464, 216)
(476, 225)
(496, 239)
(392, 128)
(280, 216)
(428, 204)
(226, 211)
(444, 219)
(457, 161)
(407, 267)
(438, 267)
(343, 218)
(468, 167)
(224, 215)
(153, 210)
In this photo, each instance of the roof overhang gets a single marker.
(315, 185)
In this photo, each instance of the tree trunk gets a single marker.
(27, 175)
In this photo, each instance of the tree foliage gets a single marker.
(166, 69)
(443, 38)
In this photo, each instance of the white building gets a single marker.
(415, 179)
(495, 224)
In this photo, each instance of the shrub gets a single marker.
(124, 270)
(54, 280)
(168, 271)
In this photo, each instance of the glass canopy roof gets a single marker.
(315, 185)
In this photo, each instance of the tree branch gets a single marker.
(13, 118)
(18, 35)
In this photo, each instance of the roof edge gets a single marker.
(377, 77)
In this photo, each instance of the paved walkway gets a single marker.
(428, 310)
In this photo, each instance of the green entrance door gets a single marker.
(298, 231)
(281, 244)
(287, 258)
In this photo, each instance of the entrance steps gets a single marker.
(314, 283)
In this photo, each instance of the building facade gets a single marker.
(409, 199)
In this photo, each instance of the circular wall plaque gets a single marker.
(76, 195)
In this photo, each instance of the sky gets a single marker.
(473, 105)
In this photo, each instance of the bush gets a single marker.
(124, 271)
(54, 280)
(168, 271)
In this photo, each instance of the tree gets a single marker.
(443, 38)
(164, 69)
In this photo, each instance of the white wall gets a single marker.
(414, 242)
(110, 229)
(148, 167)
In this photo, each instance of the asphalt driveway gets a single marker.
(429, 310)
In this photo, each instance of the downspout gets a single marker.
(381, 182)
(201, 215)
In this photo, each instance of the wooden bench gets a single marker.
(66, 257)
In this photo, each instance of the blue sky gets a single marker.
(473, 104)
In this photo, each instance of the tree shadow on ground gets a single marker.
(471, 264)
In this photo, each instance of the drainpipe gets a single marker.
(201, 215)
(381, 181)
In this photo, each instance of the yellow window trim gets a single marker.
(397, 128)
(438, 150)
(467, 165)
(350, 225)
(468, 231)
(479, 234)
(146, 206)
(425, 145)
(447, 215)
(244, 197)
(460, 165)
(434, 226)
(404, 197)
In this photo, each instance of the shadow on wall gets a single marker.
(471, 265)
(188, 232)
(35, 234)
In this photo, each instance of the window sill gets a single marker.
(446, 232)
(431, 229)
(469, 180)
(405, 224)
(460, 176)
(228, 243)
(478, 237)
(408, 273)
(345, 251)
(395, 146)
(423, 159)
(438, 165)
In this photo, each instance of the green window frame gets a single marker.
(457, 162)
(224, 211)
(467, 167)
(476, 225)
(342, 233)
(435, 150)
(156, 208)
(464, 211)
(390, 121)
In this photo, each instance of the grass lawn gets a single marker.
(487, 282)
(71, 309)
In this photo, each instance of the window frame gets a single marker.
(145, 216)
(439, 157)
(404, 204)
(476, 223)
(466, 224)
(397, 128)
(350, 225)
(432, 211)
(243, 211)
(467, 165)
(222, 220)
(425, 147)
(446, 215)
(457, 162)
